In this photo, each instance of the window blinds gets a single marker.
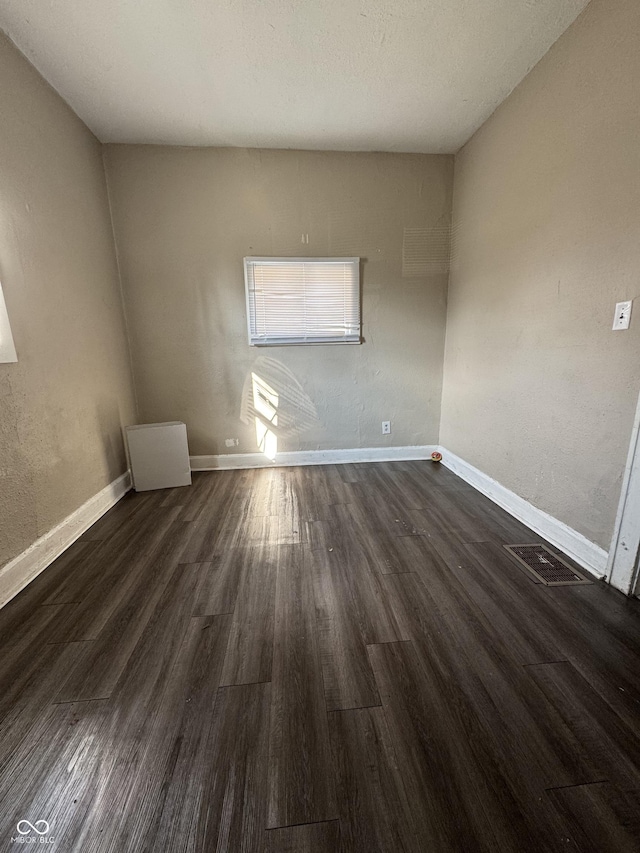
(303, 300)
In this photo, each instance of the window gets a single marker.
(7, 349)
(303, 300)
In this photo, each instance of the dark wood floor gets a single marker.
(337, 658)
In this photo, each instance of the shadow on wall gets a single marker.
(111, 431)
(275, 402)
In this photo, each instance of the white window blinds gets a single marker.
(303, 300)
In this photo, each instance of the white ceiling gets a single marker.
(384, 75)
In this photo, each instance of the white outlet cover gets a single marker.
(622, 317)
(7, 347)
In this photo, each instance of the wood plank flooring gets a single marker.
(331, 659)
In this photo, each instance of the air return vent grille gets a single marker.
(547, 567)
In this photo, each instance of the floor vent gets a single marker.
(548, 568)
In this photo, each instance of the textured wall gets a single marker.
(62, 405)
(184, 220)
(539, 393)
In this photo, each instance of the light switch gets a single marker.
(622, 316)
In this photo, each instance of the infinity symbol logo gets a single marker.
(33, 827)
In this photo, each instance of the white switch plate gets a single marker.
(622, 316)
(386, 427)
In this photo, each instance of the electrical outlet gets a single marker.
(386, 427)
(622, 316)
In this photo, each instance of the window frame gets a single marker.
(8, 353)
(252, 260)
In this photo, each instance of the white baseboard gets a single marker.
(20, 571)
(586, 553)
(232, 461)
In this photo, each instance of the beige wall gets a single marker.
(185, 218)
(539, 393)
(62, 405)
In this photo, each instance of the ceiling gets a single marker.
(383, 75)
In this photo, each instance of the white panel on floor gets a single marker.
(159, 455)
